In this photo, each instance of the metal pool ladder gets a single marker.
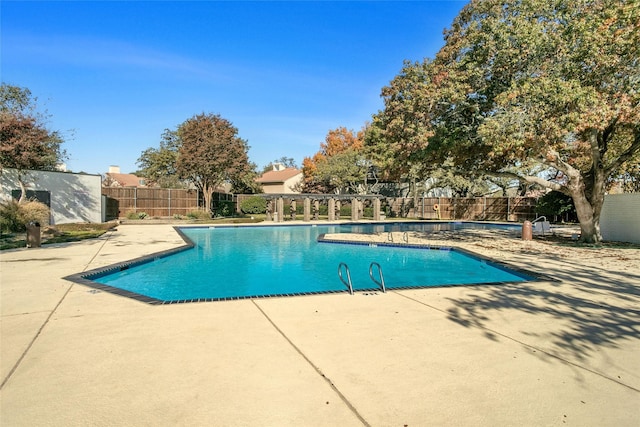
(347, 282)
(381, 282)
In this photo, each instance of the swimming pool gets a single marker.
(230, 262)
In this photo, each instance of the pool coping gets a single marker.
(529, 275)
(85, 277)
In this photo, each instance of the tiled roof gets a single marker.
(126, 179)
(278, 176)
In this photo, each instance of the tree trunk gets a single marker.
(414, 184)
(589, 217)
(588, 198)
(207, 195)
(589, 229)
(23, 190)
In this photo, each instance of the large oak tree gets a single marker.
(211, 153)
(538, 91)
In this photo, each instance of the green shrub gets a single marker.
(137, 215)
(198, 215)
(10, 217)
(34, 211)
(14, 216)
(557, 206)
(254, 205)
(345, 211)
(224, 208)
(177, 216)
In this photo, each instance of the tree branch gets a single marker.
(633, 149)
(531, 179)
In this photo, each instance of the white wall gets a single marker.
(74, 197)
(620, 217)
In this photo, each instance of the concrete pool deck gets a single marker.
(563, 352)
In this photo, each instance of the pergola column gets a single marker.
(280, 209)
(307, 209)
(354, 209)
(376, 209)
(338, 206)
(332, 209)
(316, 209)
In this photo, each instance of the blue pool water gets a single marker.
(237, 262)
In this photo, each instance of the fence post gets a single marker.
(484, 208)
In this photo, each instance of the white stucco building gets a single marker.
(71, 197)
(620, 217)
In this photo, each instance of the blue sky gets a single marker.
(114, 74)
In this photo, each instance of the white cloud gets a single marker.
(91, 52)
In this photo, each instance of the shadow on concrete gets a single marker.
(593, 308)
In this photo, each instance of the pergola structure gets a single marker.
(276, 203)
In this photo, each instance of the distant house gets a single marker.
(281, 180)
(114, 178)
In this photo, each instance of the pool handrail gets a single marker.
(347, 283)
(381, 282)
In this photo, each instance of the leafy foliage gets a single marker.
(245, 183)
(25, 142)
(542, 92)
(339, 167)
(163, 166)
(15, 216)
(159, 165)
(211, 153)
(397, 135)
(556, 205)
(10, 217)
(199, 215)
(224, 208)
(137, 215)
(254, 205)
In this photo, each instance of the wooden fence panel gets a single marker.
(496, 208)
(464, 208)
(155, 202)
(522, 208)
